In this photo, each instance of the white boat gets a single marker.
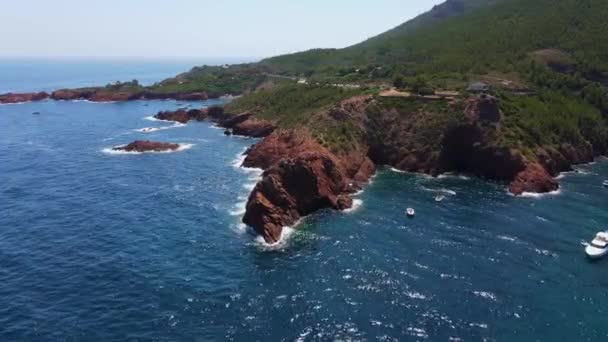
(598, 247)
(410, 212)
(605, 184)
(439, 198)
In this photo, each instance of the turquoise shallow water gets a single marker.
(105, 247)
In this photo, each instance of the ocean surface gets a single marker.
(101, 246)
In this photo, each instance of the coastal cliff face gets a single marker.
(300, 177)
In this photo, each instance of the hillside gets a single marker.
(546, 62)
(474, 37)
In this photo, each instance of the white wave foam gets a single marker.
(507, 238)
(479, 325)
(111, 151)
(486, 295)
(356, 205)
(239, 209)
(453, 175)
(417, 332)
(238, 161)
(156, 129)
(286, 233)
(415, 295)
(151, 118)
(397, 170)
(537, 195)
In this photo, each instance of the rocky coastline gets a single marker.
(10, 98)
(302, 176)
(100, 95)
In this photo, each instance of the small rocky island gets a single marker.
(147, 146)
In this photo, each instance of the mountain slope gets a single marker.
(476, 36)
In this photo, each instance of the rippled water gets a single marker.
(108, 247)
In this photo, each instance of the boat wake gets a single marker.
(441, 190)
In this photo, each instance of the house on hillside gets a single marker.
(478, 87)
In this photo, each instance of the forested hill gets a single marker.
(475, 36)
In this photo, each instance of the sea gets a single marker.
(103, 246)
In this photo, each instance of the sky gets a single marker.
(193, 28)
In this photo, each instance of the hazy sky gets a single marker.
(194, 28)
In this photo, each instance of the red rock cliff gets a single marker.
(301, 177)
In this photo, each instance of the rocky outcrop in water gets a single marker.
(147, 146)
(23, 97)
(535, 179)
(293, 188)
(182, 115)
(301, 177)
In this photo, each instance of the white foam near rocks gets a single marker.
(537, 195)
(357, 203)
(286, 233)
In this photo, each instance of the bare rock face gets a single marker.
(253, 127)
(294, 188)
(197, 96)
(23, 97)
(277, 146)
(67, 94)
(147, 146)
(466, 149)
(534, 178)
(112, 96)
(182, 115)
(483, 107)
(301, 177)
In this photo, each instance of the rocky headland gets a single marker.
(302, 176)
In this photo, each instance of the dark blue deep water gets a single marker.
(97, 246)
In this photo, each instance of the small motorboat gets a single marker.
(36, 113)
(439, 198)
(410, 212)
(605, 184)
(598, 247)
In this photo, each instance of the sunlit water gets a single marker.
(96, 246)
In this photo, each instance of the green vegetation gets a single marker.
(551, 119)
(479, 36)
(215, 80)
(547, 60)
(291, 105)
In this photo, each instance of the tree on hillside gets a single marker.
(398, 82)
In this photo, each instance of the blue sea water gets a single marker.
(98, 246)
